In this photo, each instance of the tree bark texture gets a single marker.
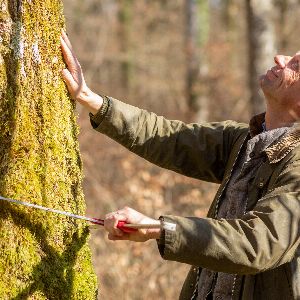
(262, 47)
(42, 255)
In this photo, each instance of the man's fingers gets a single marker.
(69, 80)
(68, 55)
(114, 237)
(66, 39)
(115, 230)
(111, 223)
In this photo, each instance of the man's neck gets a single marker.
(277, 119)
(279, 113)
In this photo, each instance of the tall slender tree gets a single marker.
(231, 22)
(197, 26)
(125, 19)
(262, 46)
(282, 8)
(42, 255)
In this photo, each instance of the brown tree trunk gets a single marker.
(262, 47)
(196, 60)
(126, 68)
(282, 8)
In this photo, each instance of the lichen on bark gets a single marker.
(42, 255)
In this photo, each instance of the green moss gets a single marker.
(42, 256)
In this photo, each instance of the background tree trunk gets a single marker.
(126, 67)
(231, 25)
(282, 14)
(262, 47)
(42, 255)
(197, 27)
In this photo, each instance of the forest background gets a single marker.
(185, 59)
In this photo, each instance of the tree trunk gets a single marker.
(231, 22)
(282, 17)
(261, 47)
(42, 255)
(126, 68)
(197, 26)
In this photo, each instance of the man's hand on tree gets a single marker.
(73, 76)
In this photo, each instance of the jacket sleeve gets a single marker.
(199, 151)
(262, 239)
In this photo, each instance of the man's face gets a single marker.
(281, 84)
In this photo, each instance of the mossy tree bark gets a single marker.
(42, 255)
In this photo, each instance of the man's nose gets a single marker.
(282, 60)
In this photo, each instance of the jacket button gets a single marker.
(252, 154)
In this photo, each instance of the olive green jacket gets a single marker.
(263, 245)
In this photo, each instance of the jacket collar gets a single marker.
(282, 147)
(256, 124)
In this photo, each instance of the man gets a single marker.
(248, 246)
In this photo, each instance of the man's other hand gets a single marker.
(131, 216)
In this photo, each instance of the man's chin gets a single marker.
(264, 81)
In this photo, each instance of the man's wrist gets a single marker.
(154, 234)
(90, 100)
(94, 103)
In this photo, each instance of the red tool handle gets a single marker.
(121, 225)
